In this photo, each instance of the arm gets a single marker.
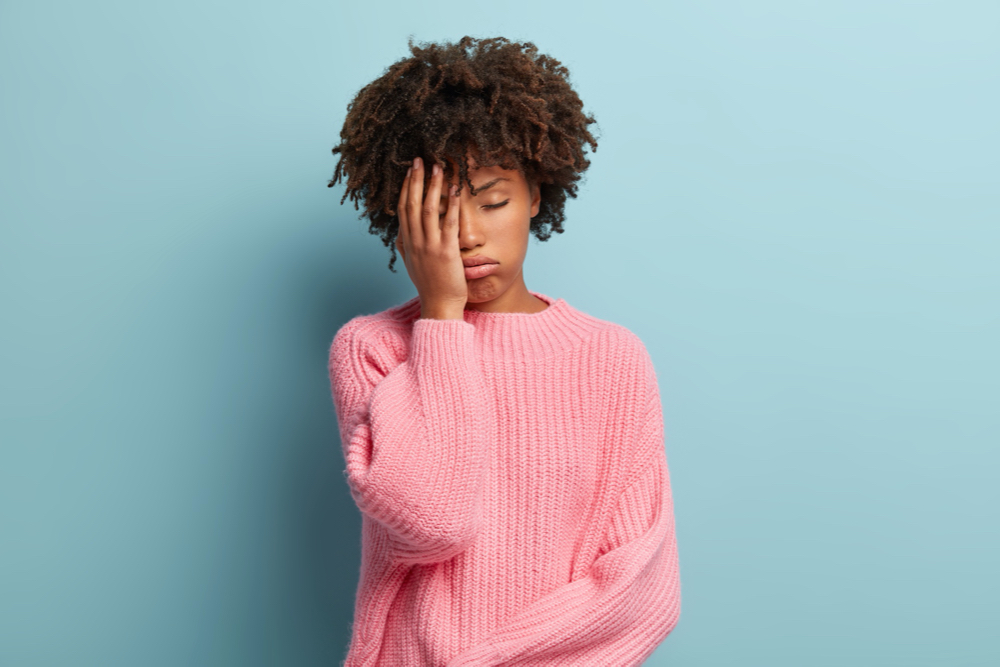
(627, 603)
(415, 436)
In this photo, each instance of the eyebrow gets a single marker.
(487, 186)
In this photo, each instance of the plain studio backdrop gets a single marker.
(793, 204)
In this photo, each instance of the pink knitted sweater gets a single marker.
(511, 475)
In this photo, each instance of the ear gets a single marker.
(536, 197)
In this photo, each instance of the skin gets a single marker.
(438, 229)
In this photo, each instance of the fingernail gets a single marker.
(409, 170)
(417, 163)
(436, 169)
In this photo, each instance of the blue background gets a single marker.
(794, 204)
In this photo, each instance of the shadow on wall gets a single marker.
(332, 284)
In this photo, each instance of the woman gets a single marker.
(505, 449)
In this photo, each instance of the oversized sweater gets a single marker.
(512, 481)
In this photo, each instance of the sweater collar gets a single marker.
(514, 336)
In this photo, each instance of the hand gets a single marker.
(428, 243)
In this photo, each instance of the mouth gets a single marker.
(478, 260)
(480, 270)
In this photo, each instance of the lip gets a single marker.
(477, 260)
(479, 271)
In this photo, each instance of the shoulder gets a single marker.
(628, 376)
(615, 360)
(375, 339)
(627, 390)
(605, 332)
(621, 348)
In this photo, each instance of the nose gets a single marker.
(470, 229)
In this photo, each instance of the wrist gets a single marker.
(442, 313)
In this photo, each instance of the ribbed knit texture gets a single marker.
(512, 479)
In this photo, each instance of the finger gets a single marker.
(432, 204)
(415, 204)
(449, 228)
(402, 235)
(401, 250)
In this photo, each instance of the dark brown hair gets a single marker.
(499, 100)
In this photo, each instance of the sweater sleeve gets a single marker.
(627, 603)
(415, 436)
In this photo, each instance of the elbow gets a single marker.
(668, 599)
(672, 610)
(432, 536)
(672, 619)
(435, 546)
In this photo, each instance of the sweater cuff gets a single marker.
(435, 341)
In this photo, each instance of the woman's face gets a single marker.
(495, 223)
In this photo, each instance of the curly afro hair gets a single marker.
(498, 100)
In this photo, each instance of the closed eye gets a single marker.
(496, 205)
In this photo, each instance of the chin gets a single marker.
(483, 289)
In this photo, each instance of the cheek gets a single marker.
(512, 232)
(512, 224)
(517, 213)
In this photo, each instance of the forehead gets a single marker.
(480, 174)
